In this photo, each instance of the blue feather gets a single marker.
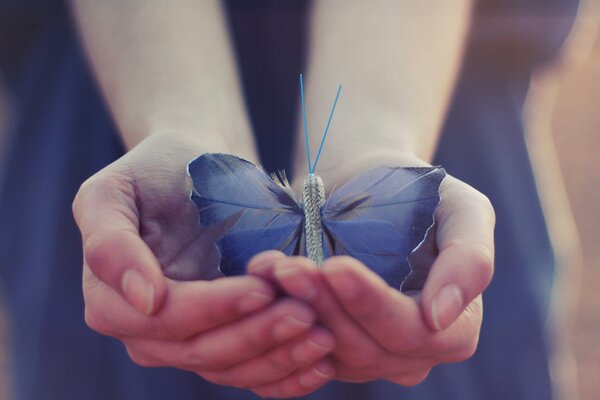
(380, 216)
(238, 247)
(265, 214)
(377, 244)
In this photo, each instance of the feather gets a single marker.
(380, 216)
(266, 214)
(355, 238)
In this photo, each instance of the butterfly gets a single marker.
(379, 217)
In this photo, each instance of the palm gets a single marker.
(156, 170)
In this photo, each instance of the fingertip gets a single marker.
(124, 262)
(296, 282)
(320, 373)
(255, 300)
(321, 338)
(343, 262)
(342, 280)
(348, 277)
(264, 261)
(445, 307)
(461, 272)
(146, 296)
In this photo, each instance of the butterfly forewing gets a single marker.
(268, 216)
(380, 216)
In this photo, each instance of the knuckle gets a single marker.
(465, 352)
(406, 344)
(482, 258)
(257, 338)
(138, 358)
(95, 322)
(161, 329)
(96, 251)
(479, 199)
(413, 379)
(261, 392)
(97, 187)
(290, 387)
(200, 360)
(282, 359)
(227, 378)
(360, 360)
(79, 202)
(487, 206)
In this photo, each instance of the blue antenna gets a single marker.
(311, 168)
(337, 96)
(305, 128)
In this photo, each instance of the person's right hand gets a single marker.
(137, 221)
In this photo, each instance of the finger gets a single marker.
(262, 263)
(299, 277)
(106, 213)
(299, 383)
(277, 363)
(390, 317)
(412, 379)
(394, 320)
(231, 343)
(464, 267)
(191, 307)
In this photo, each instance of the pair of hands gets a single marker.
(339, 322)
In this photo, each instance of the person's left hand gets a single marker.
(383, 333)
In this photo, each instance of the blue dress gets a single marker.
(59, 133)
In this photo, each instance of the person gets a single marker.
(168, 75)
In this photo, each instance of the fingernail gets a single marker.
(321, 339)
(264, 261)
(446, 306)
(316, 376)
(138, 291)
(290, 325)
(260, 269)
(299, 285)
(253, 301)
(317, 343)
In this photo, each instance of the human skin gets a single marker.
(171, 103)
(136, 217)
(169, 79)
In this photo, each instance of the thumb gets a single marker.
(105, 211)
(464, 266)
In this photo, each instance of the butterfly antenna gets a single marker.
(305, 127)
(337, 96)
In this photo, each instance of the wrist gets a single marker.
(188, 144)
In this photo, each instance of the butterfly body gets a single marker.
(378, 217)
(313, 198)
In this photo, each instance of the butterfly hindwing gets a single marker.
(265, 213)
(380, 216)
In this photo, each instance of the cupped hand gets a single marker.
(137, 221)
(381, 332)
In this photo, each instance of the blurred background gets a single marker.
(563, 121)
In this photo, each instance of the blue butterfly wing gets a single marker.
(264, 214)
(380, 216)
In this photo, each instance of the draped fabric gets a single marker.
(60, 133)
